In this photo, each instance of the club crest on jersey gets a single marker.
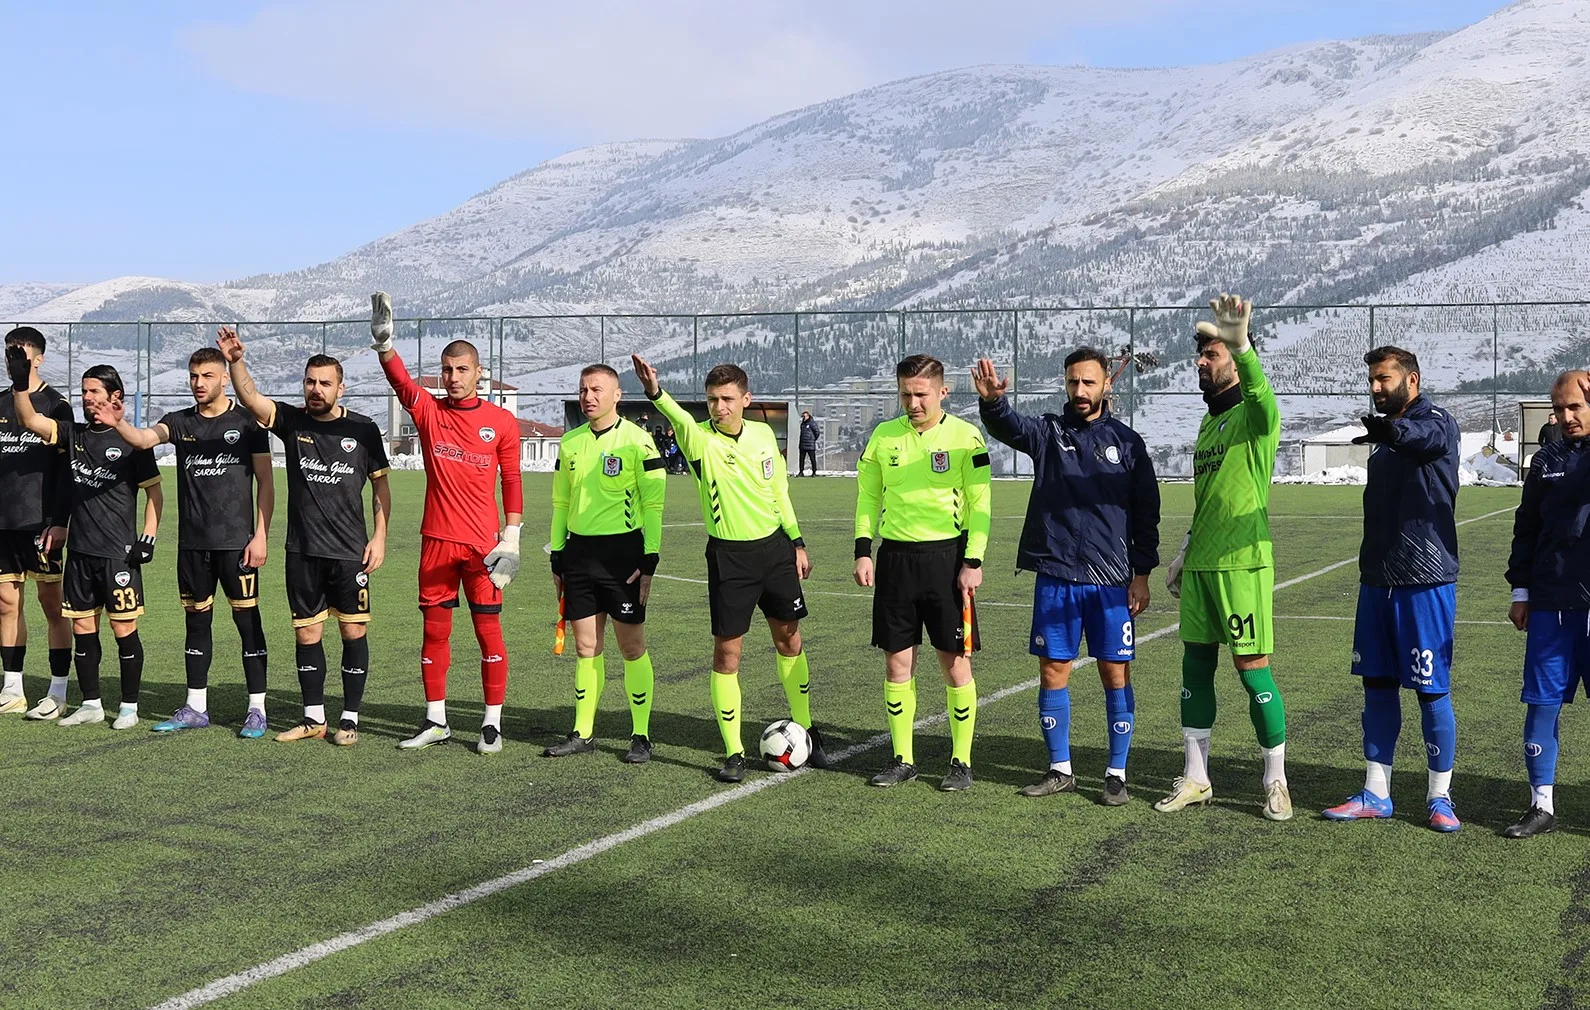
(122, 578)
(362, 579)
(488, 434)
(231, 436)
(348, 444)
(113, 454)
(941, 462)
(1112, 454)
(612, 466)
(767, 468)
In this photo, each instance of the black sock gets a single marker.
(12, 657)
(198, 648)
(355, 669)
(252, 632)
(61, 662)
(312, 673)
(131, 651)
(87, 656)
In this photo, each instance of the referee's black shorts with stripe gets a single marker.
(914, 588)
(743, 575)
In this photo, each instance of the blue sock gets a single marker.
(1054, 716)
(1382, 723)
(1440, 731)
(1121, 718)
(1540, 744)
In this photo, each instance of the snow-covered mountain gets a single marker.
(1432, 167)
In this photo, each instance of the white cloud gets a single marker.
(619, 69)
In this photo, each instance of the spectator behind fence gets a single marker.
(1550, 432)
(809, 435)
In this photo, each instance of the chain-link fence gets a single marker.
(1480, 360)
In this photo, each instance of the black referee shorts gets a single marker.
(745, 574)
(914, 587)
(595, 577)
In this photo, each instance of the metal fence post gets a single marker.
(1496, 378)
(323, 344)
(795, 412)
(1371, 336)
(902, 335)
(69, 384)
(419, 341)
(695, 352)
(1131, 368)
(602, 339)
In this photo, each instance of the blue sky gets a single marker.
(206, 142)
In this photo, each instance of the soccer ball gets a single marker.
(785, 745)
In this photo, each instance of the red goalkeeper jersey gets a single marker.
(464, 443)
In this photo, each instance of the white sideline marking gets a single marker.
(232, 984)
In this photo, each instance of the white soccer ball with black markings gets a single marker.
(786, 745)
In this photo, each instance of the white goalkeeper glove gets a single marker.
(1230, 327)
(503, 561)
(380, 322)
(1173, 573)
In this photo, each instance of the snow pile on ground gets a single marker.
(1330, 475)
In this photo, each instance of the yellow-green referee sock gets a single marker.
(963, 720)
(587, 692)
(797, 680)
(899, 702)
(726, 706)
(639, 681)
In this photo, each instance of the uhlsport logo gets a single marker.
(1264, 697)
(767, 468)
(1047, 722)
(1357, 658)
(123, 578)
(1112, 454)
(231, 436)
(1432, 749)
(1185, 694)
(1121, 726)
(612, 466)
(1038, 641)
(113, 453)
(348, 445)
(1532, 750)
(941, 462)
(488, 435)
(362, 579)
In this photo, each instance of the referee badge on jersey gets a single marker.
(348, 444)
(941, 462)
(767, 468)
(612, 466)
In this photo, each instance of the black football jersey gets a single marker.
(328, 463)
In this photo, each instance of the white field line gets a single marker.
(232, 984)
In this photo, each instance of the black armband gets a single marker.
(648, 563)
(863, 547)
(972, 562)
(557, 562)
(799, 542)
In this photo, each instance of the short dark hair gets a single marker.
(599, 368)
(323, 361)
(920, 366)
(26, 336)
(1092, 354)
(459, 348)
(105, 375)
(207, 356)
(728, 375)
(1405, 360)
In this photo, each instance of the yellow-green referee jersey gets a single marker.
(925, 486)
(608, 483)
(743, 479)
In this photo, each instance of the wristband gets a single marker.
(648, 563)
(863, 547)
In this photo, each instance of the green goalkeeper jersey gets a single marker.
(743, 479)
(1232, 467)
(608, 483)
(923, 486)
